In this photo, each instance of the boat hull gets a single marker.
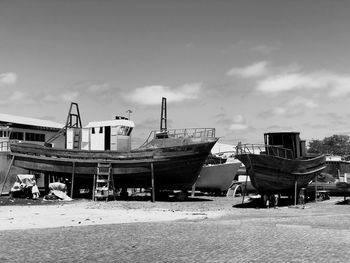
(270, 174)
(217, 177)
(174, 167)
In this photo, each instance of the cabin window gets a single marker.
(1, 134)
(93, 130)
(101, 130)
(120, 130)
(35, 137)
(17, 136)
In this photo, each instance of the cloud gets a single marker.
(302, 102)
(238, 126)
(278, 128)
(238, 123)
(265, 49)
(152, 95)
(8, 78)
(335, 85)
(270, 80)
(257, 69)
(294, 107)
(287, 82)
(18, 97)
(98, 87)
(70, 96)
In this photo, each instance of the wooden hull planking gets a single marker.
(175, 167)
(270, 174)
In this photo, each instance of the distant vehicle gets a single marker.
(241, 185)
(333, 179)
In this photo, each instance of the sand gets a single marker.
(89, 213)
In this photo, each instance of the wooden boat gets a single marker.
(343, 187)
(175, 159)
(281, 165)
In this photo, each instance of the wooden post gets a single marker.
(295, 191)
(245, 189)
(152, 178)
(193, 189)
(7, 175)
(72, 185)
(316, 188)
(94, 188)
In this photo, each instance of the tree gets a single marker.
(335, 144)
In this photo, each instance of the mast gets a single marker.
(163, 117)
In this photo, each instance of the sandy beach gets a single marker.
(203, 229)
(85, 212)
(29, 214)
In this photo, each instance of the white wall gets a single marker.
(70, 138)
(97, 139)
(85, 139)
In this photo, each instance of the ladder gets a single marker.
(103, 182)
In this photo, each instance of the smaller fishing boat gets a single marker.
(281, 165)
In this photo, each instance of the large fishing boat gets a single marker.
(176, 161)
(281, 165)
(169, 159)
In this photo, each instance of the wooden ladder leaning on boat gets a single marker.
(103, 182)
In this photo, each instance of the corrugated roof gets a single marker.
(29, 121)
(111, 123)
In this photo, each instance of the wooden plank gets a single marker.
(72, 184)
(152, 183)
(7, 175)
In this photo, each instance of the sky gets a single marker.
(242, 67)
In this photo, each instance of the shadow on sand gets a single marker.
(257, 203)
(343, 202)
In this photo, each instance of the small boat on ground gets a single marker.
(281, 165)
(217, 175)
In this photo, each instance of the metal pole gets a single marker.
(71, 190)
(152, 178)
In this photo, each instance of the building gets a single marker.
(30, 130)
(24, 129)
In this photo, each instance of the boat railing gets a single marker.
(271, 150)
(182, 133)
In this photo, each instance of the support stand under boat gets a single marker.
(7, 174)
(153, 198)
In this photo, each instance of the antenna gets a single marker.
(129, 111)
